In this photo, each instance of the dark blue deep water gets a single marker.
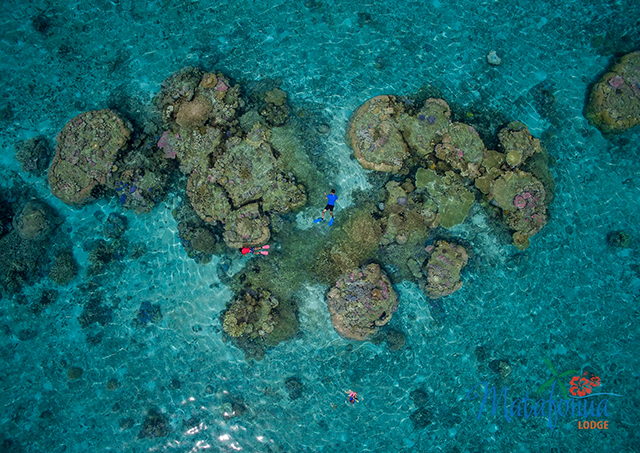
(83, 365)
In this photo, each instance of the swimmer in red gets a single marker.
(259, 250)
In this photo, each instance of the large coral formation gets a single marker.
(402, 215)
(375, 136)
(234, 177)
(258, 319)
(246, 227)
(199, 238)
(461, 148)
(521, 198)
(192, 98)
(141, 177)
(614, 101)
(443, 269)
(87, 149)
(450, 157)
(361, 301)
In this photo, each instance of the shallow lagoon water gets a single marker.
(570, 298)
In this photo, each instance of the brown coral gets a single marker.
(194, 113)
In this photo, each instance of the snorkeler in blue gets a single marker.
(331, 201)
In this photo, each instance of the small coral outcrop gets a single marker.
(361, 301)
(614, 101)
(443, 269)
(518, 143)
(34, 155)
(64, 268)
(251, 315)
(87, 149)
(35, 221)
(522, 200)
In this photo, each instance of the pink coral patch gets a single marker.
(519, 202)
(616, 81)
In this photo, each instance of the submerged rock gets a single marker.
(361, 301)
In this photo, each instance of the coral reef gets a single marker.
(115, 226)
(251, 315)
(35, 221)
(352, 243)
(518, 144)
(34, 155)
(402, 215)
(461, 148)
(361, 301)
(199, 238)
(87, 149)
(191, 98)
(423, 130)
(257, 320)
(614, 101)
(246, 227)
(443, 269)
(448, 201)
(64, 268)
(521, 198)
(156, 424)
(375, 137)
(141, 176)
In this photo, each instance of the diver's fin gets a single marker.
(319, 219)
(264, 253)
(331, 221)
(265, 246)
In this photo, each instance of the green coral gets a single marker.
(447, 196)
(423, 130)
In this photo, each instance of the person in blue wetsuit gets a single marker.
(331, 201)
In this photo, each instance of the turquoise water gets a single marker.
(570, 298)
